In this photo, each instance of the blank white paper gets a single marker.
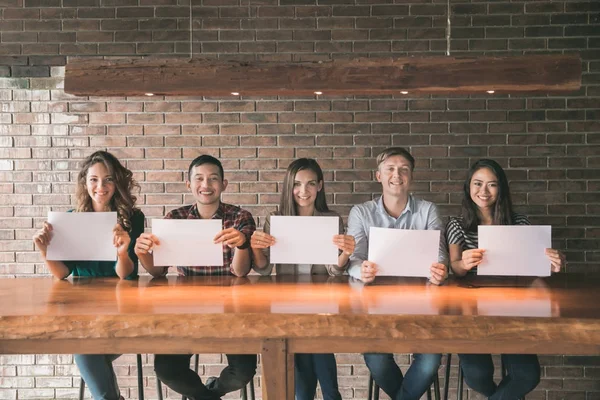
(187, 242)
(403, 252)
(515, 250)
(304, 240)
(82, 236)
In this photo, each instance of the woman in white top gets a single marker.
(304, 195)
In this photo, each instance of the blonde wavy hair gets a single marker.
(123, 200)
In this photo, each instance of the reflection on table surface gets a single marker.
(566, 296)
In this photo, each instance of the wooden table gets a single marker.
(279, 316)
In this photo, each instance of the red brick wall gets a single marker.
(549, 144)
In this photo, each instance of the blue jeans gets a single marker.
(312, 367)
(98, 374)
(522, 375)
(174, 371)
(388, 376)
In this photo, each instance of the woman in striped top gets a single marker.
(487, 201)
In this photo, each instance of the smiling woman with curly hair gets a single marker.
(103, 184)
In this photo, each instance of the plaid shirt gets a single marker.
(232, 216)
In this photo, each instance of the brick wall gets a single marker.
(550, 145)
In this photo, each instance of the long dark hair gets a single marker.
(287, 205)
(502, 213)
(123, 200)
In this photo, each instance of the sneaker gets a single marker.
(211, 382)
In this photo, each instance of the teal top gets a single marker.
(107, 268)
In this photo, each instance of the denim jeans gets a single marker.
(312, 367)
(98, 374)
(522, 375)
(174, 371)
(388, 376)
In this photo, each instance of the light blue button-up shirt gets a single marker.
(418, 214)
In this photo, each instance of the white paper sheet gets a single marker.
(304, 240)
(403, 252)
(515, 250)
(82, 236)
(187, 242)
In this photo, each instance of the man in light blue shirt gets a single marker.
(396, 208)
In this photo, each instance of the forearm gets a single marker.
(343, 259)
(458, 267)
(124, 266)
(58, 269)
(261, 261)
(147, 261)
(240, 265)
(354, 267)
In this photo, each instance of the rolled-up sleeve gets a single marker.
(356, 228)
(434, 222)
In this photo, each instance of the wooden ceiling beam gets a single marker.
(365, 76)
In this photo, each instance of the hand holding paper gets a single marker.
(145, 243)
(345, 243)
(121, 240)
(230, 237)
(42, 238)
(261, 240)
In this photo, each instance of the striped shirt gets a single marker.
(468, 240)
(232, 216)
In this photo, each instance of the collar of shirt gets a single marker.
(195, 214)
(409, 207)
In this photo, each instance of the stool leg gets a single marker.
(251, 383)
(436, 387)
(140, 375)
(376, 394)
(244, 393)
(447, 375)
(459, 394)
(81, 389)
(159, 389)
(429, 393)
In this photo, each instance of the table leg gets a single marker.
(277, 372)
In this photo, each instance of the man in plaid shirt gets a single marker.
(206, 183)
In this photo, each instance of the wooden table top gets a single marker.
(539, 311)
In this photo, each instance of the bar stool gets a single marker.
(243, 392)
(139, 376)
